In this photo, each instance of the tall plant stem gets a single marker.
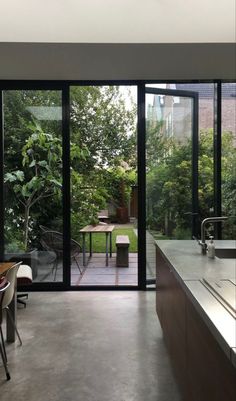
(26, 227)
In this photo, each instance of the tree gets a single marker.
(169, 183)
(102, 126)
(102, 135)
(101, 123)
(20, 108)
(229, 184)
(169, 187)
(40, 176)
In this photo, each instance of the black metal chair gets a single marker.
(11, 276)
(52, 241)
(44, 228)
(4, 284)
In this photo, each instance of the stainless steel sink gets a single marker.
(226, 253)
(224, 291)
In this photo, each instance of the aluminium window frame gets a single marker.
(64, 86)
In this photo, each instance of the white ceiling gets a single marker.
(117, 21)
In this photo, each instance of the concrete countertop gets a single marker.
(190, 267)
(185, 256)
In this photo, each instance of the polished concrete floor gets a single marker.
(89, 346)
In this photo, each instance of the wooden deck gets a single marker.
(95, 273)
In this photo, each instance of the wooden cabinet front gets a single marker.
(203, 371)
(170, 306)
(210, 374)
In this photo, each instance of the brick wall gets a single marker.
(229, 115)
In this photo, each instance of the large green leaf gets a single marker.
(20, 175)
(10, 177)
(57, 183)
(32, 164)
(15, 176)
(43, 163)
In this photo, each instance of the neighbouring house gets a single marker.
(171, 110)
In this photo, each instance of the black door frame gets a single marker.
(195, 106)
(64, 86)
(49, 86)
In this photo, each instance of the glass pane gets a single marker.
(229, 160)
(168, 170)
(103, 183)
(33, 181)
(205, 156)
(206, 139)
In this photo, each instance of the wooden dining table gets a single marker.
(99, 228)
(10, 331)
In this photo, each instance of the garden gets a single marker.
(103, 167)
(102, 161)
(169, 182)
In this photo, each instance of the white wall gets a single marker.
(117, 61)
(117, 21)
(117, 39)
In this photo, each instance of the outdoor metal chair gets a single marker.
(52, 241)
(44, 228)
(11, 276)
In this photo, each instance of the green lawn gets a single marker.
(158, 235)
(99, 240)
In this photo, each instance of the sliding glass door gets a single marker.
(33, 225)
(228, 160)
(171, 168)
(70, 161)
(103, 178)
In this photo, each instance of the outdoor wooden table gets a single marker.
(100, 228)
(4, 267)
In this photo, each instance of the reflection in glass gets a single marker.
(205, 154)
(228, 172)
(205, 93)
(169, 128)
(169, 165)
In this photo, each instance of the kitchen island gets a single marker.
(199, 329)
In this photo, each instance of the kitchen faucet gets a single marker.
(202, 242)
